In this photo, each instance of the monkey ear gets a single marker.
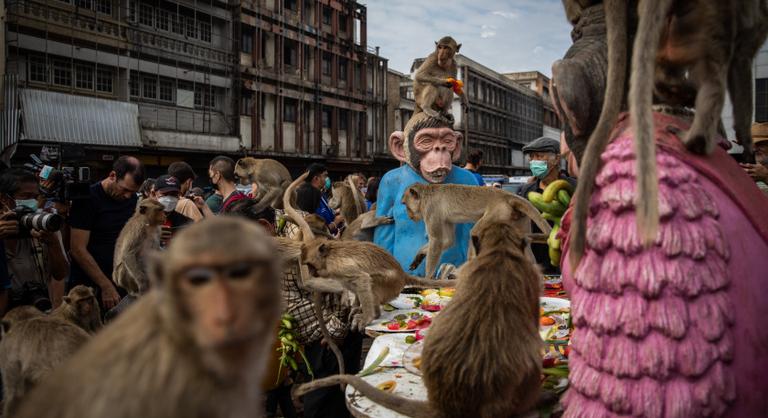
(459, 142)
(67, 300)
(143, 210)
(412, 191)
(476, 244)
(323, 249)
(458, 47)
(435, 43)
(397, 146)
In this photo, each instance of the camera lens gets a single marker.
(48, 222)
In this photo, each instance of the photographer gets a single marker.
(34, 255)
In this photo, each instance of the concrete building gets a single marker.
(503, 116)
(539, 83)
(312, 89)
(400, 103)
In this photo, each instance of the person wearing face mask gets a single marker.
(310, 199)
(544, 164)
(168, 191)
(36, 260)
(221, 172)
(96, 223)
(759, 171)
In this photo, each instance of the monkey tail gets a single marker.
(616, 27)
(287, 197)
(526, 208)
(416, 281)
(357, 198)
(316, 303)
(405, 406)
(652, 16)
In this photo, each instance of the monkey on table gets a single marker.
(498, 293)
(194, 346)
(432, 88)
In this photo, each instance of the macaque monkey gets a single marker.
(270, 176)
(33, 345)
(363, 268)
(347, 197)
(431, 86)
(498, 292)
(443, 206)
(195, 346)
(81, 308)
(691, 52)
(139, 235)
(361, 229)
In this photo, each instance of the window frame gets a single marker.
(34, 61)
(100, 79)
(86, 70)
(62, 66)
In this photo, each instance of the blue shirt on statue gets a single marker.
(404, 238)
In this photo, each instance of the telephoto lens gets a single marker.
(49, 222)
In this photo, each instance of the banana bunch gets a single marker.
(552, 205)
(289, 346)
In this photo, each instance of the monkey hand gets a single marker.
(456, 85)
(360, 321)
(446, 271)
(416, 261)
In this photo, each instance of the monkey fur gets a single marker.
(496, 372)
(271, 177)
(195, 346)
(347, 198)
(33, 345)
(140, 234)
(443, 206)
(81, 308)
(710, 42)
(431, 89)
(361, 229)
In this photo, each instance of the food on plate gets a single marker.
(417, 363)
(410, 339)
(410, 321)
(387, 386)
(432, 302)
(447, 292)
(555, 319)
(547, 321)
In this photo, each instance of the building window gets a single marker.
(84, 76)
(204, 96)
(326, 64)
(343, 23)
(62, 73)
(104, 80)
(163, 19)
(83, 4)
(135, 85)
(177, 24)
(104, 6)
(289, 110)
(247, 41)
(343, 121)
(149, 87)
(761, 100)
(326, 117)
(290, 53)
(191, 29)
(210, 98)
(38, 69)
(343, 69)
(292, 5)
(246, 103)
(145, 14)
(132, 11)
(327, 15)
(166, 89)
(205, 31)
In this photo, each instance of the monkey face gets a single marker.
(335, 201)
(412, 202)
(223, 303)
(314, 255)
(244, 169)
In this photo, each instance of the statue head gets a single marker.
(429, 145)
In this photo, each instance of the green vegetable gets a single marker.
(555, 371)
(410, 339)
(370, 369)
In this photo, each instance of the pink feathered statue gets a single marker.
(678, 329)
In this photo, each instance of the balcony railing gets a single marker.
(66, 19)
(167, 43)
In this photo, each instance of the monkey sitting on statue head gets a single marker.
(435, 81)
(194, 346)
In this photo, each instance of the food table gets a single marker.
(402, 325)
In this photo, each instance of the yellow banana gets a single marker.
(552, 188)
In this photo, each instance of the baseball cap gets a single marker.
(759, 132)
(543, 144)
(167, 183)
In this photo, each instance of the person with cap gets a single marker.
(759, 171)
(544, 156)
(167, 192)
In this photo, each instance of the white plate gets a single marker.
(407, 385)
(397, 347)
(406, 301)
(561, 321)
(377, 324)
(412, 353)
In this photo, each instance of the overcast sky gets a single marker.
(506, 36)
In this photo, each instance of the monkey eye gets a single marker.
(240, 271)
(199, 276)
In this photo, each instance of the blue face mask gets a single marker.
(539, 168)
(327, 183)
(28, 203)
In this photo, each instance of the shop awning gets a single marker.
(60, 117)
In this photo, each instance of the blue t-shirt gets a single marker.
(404, 238)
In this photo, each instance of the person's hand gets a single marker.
(109, 296)
(199, 202)
(756, 171)
(9, 226)
(45, 236)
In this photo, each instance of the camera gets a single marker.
(34, 294)
(30, 219)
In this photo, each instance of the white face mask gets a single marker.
(169, 202)
(28, 203)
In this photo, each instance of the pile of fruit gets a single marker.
(411, 321)
(552, 205)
